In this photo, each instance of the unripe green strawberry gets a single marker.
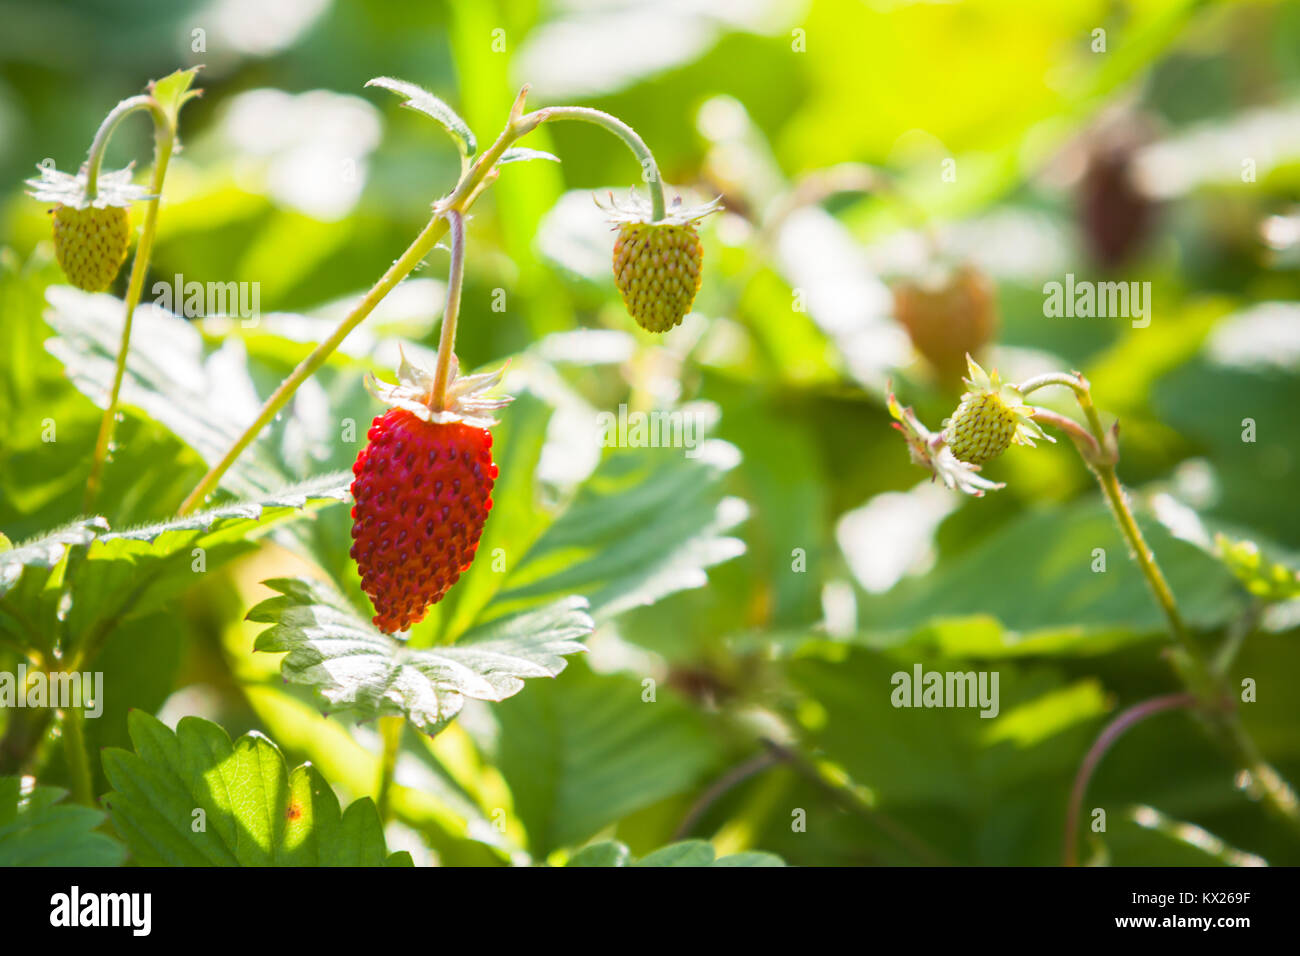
(658, 265)
(423, 491)
(91, 244)
(947, 315)
(990, 417)
(981, 428)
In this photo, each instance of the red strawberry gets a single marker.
(423, 491)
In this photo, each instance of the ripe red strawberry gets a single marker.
(658, 265)
(423, 491)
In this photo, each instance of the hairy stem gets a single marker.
(582, 114)
(164, 142)
(1113, 731)
(451, 311)
(99, 145)
(1205, 685)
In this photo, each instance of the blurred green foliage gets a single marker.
(295, 177)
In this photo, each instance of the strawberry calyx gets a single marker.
(463, 401)
(114, 189)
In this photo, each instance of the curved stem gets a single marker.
(164, 142)
(721, 787)
(451, 311)
(1073, 381)
(583, 114)
(1113, 731)
(1082, 437)
(99, 144)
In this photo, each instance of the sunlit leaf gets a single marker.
(422, 101)
(192, 798)
(357, 667)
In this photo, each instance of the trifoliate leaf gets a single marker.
(356, 666)
(422, 101)
(37, 829)
(193, 798)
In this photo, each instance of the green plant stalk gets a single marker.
(78, 757)
(583, 114)
(399, 270)
(450, 311)
(390, 734)
(1262, 781)
(164, 143)
(471, 185)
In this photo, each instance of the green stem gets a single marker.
(583, 114)
(399, 270)
(451, 311)
(1262, 781)
(390, 733)
(74, 750)
(471, 185)
(164, 142)
(99, 145)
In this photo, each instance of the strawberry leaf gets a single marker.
(46, 551)
(126, 573)
(422, 101)
(191, 797)
(37, 829)
(581, 753)
(357, 667)
(648, 523)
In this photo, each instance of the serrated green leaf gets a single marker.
(131, 572)
(422, 101)
(581, 753)
(1035, 578)
(202, 396)
(37, 829)
(648, 523)
(46, 551)
(192, 797)
(356, 666)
